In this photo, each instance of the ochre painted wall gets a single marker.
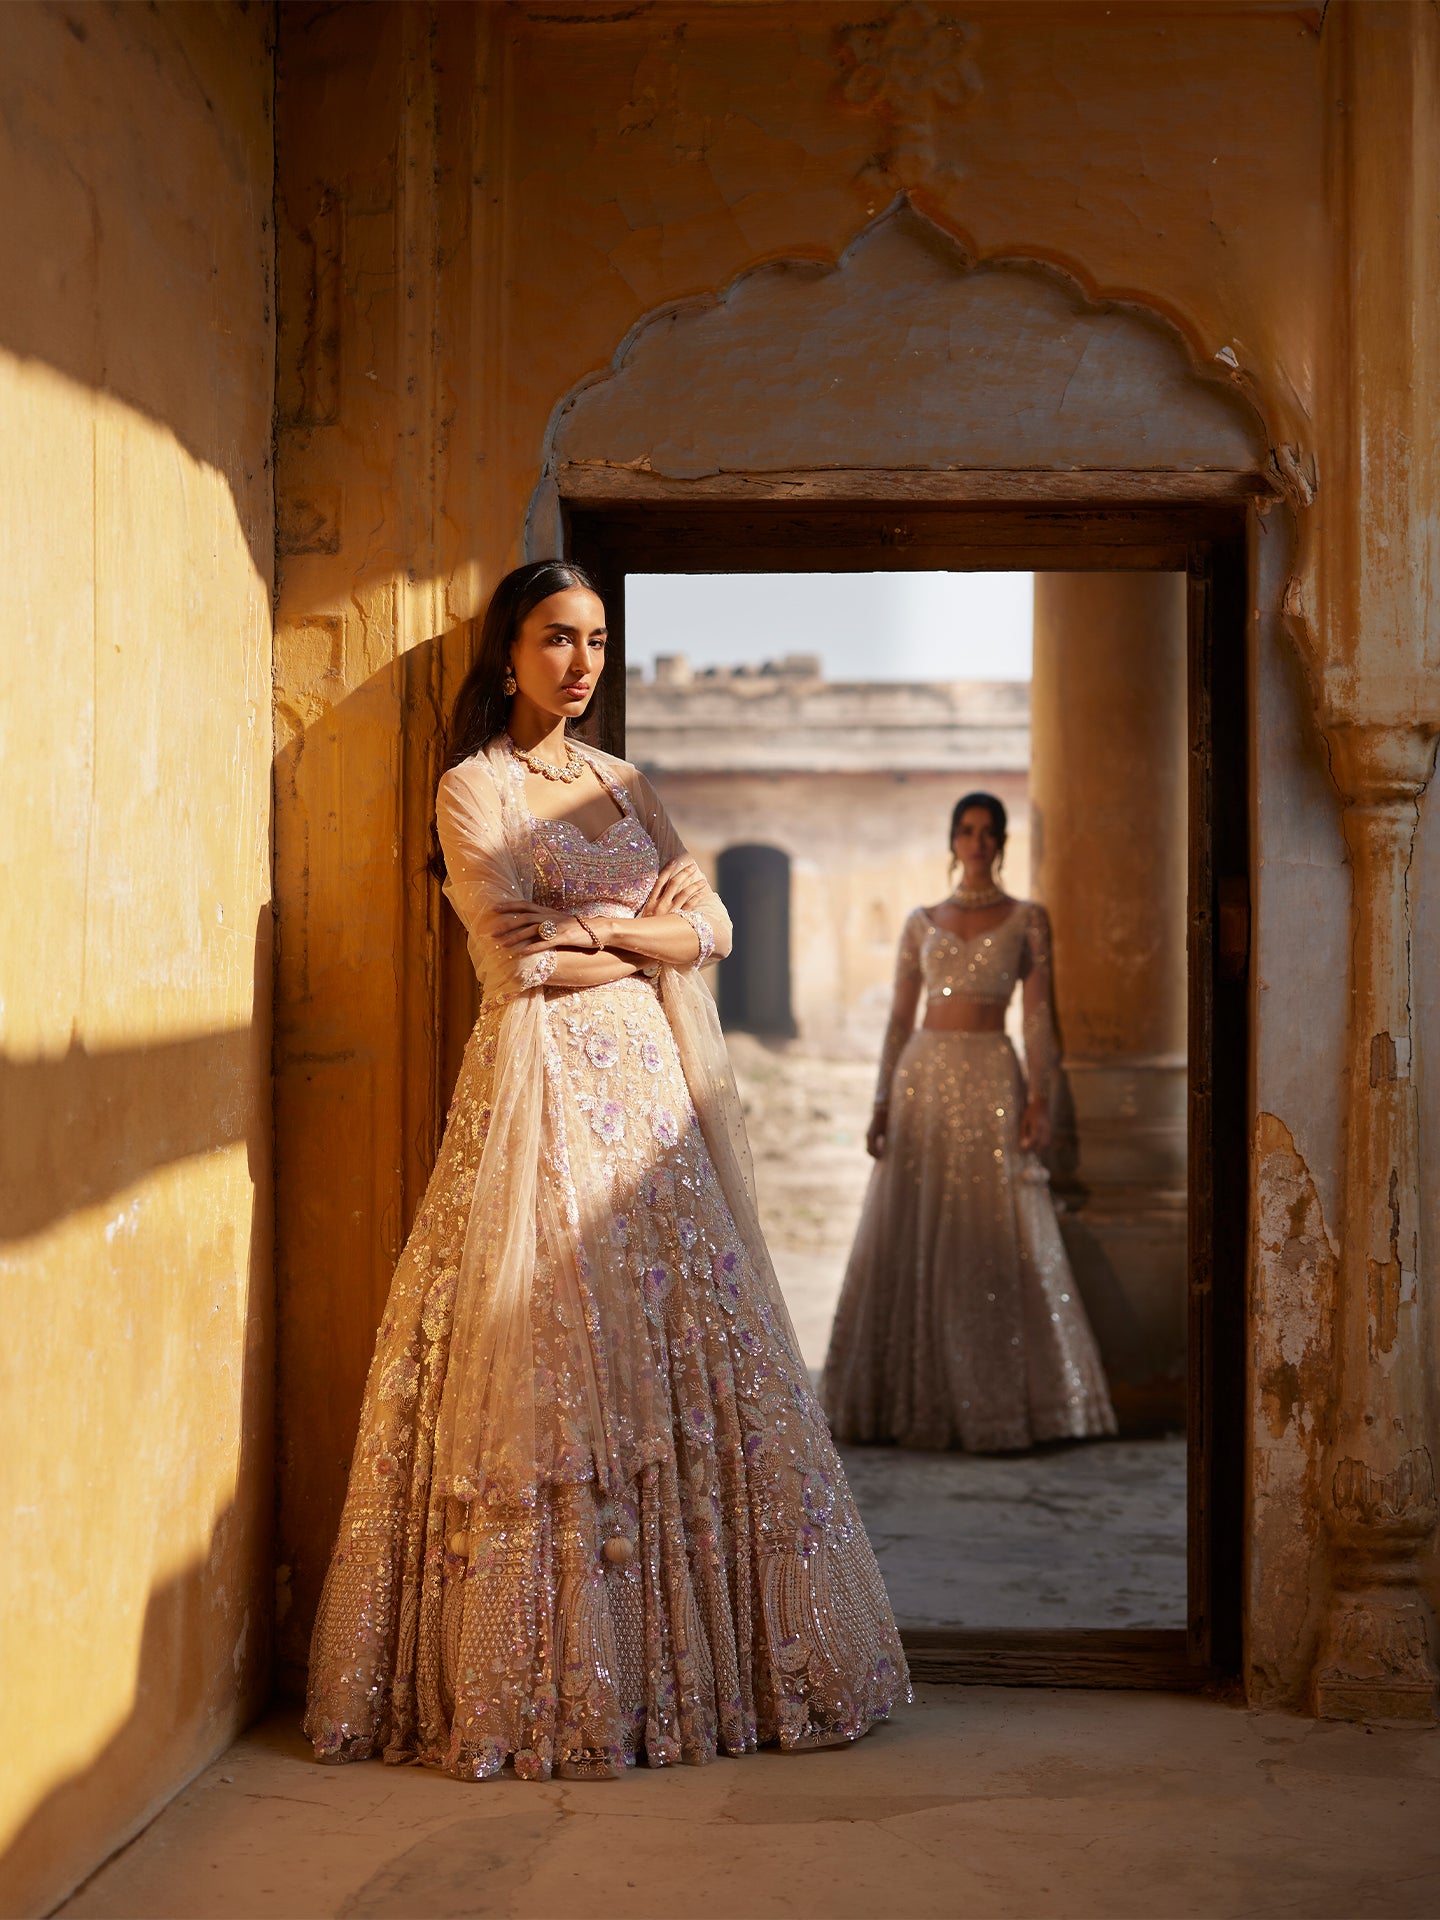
(477, 205)
(136, 384)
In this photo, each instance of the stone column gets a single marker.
(1108, 810)
(1376, 548)
(1377, 1656)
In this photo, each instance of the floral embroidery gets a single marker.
(726, 1270)
(400, 1378)
(704, 933)
(732, 1488)
(655, 1286)
(601, 1051)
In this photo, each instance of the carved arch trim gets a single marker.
(906, 355)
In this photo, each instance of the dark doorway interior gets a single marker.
(754, 983)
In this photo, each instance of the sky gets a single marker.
(864, 626)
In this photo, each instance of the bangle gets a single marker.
(597, 944)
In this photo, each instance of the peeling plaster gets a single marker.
(1292, 1335)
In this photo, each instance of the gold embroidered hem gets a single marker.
(959, 1322)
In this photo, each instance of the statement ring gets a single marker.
(547, 929)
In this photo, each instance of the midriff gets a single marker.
(958, 1015)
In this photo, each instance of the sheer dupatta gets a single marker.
(497, 1437)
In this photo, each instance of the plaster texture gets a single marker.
(879, 353)
(473, 271)
(1018, 1806)
(136, 508)
(477, 207)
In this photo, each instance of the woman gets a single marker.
(594, 1512)
(959, 1323)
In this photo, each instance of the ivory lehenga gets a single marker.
(959, 1323)
(594, 1512)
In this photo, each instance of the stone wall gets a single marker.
(136, 512)
(854, 783)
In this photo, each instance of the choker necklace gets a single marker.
(966, 897)
(572, 770)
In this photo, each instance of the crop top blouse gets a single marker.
(976, 966)
(611, 875)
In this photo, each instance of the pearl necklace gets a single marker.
(574, 765)
(968, 897)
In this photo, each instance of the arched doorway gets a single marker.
(754, 984)
(1025, 428)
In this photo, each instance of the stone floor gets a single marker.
(986, 1802)
(806, 1116)
(974, 1802)
(1065, 1537)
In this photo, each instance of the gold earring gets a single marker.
(510, 687)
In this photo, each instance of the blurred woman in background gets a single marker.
(959, 1323)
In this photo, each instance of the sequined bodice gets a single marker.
(614, 872)
(977, 966)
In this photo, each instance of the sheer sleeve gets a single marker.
(903, 1003)
(1039, 1007)
(480, 876)
(708, 916)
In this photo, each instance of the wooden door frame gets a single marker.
(617, 522)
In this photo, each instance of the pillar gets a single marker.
(1109, 856)
(1377, 548)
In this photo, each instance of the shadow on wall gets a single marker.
(88, 1125)
(78, 1130)
(86, 161)
(162, 1739)
(375, 1000)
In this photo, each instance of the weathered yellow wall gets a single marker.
(477, 205)
(136, 382)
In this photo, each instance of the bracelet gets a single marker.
(597, 944)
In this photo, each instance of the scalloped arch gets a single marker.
(905, 354)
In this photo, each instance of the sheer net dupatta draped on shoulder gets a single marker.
(488, 1442)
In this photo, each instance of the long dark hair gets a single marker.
(482, 706)
(999, 820)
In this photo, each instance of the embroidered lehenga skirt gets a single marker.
(746, 1605)
(959, 1323)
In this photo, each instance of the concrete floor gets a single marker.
(974, 1802)
(1065, 1537)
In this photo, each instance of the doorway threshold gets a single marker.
(1156, 1658)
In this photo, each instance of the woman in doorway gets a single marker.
(594, 1512)
(959, 1323)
